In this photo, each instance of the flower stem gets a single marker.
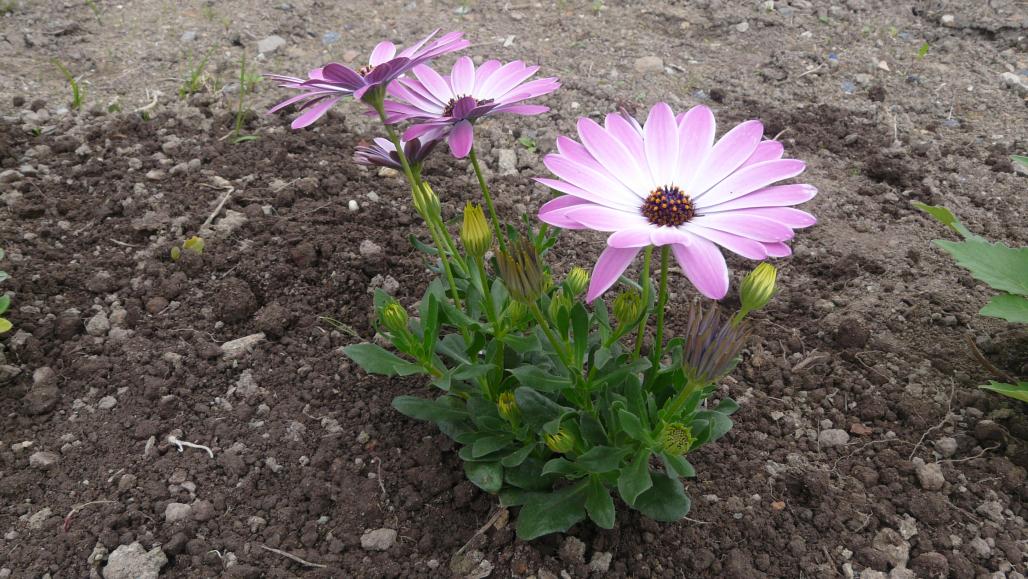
(557, 345)
(486, 290)
(645, 283)
(674, 406)
(488, 199)
(415, 183)
(658, 346)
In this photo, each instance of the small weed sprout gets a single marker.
(8, 6)
(5, 301)
(194, 82)
(97, 12)
(528, 143)
(193, 245)
(247, 82)
(76, 90)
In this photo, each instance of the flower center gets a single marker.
(448, 109)
(667, 206)
(365, 70)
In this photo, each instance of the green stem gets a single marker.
(557, 345)
(645, 283)
(488, 199)
(486, 290)
(672, 408)
(658, 346)
(429, 220)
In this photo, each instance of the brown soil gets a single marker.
(868, 335)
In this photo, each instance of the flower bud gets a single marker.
(508, 408)
(677, 439)
(711, 344)
(627, 307)
(758, 287)
(515, 312)
(522, 271)
(559, 301)
(577, 281)
(476, 234)
(562, 442)
(394, 318)
(426, 201)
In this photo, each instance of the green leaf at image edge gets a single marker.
(1018, 392)
(635, 478)
(665, 501)
(487, 476)
(377, 360)
(545, 513)
(1005, 306)
(1003, 268)
(5, 325)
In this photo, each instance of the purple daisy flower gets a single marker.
(669, 183)
(324, 86)
(451, 104)
(383, 153)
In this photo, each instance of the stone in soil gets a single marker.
(177, 512)
(43, 395)
(833, 437)
(44, 460)
(236, 348)
(270, 44)
(378, 539)
(134, 562)
(929, 475)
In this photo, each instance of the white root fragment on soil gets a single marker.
(292, 557)
(181, 443)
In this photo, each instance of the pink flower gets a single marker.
(669, 183)
(452, 104)
(324, 86)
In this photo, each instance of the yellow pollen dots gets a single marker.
(668, 207)
(365, 70)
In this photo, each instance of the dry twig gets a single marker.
(292, 557)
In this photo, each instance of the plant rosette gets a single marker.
(558, 403)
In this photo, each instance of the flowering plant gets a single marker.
(555, 398)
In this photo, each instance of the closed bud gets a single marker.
(677, 439)
(522, 272)
(562, 442)
(515, 312)
(394, 318)
(508, 408)
(627, 307)
(559, 301)
(758, 287)
(577, 281)
(426, 201)
(476, 234)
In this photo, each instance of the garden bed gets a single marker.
(862, 442)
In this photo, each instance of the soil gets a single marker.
(862, 448)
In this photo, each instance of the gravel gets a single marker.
(378, 540)
(833, 437)
(134, 562)
(44, 460)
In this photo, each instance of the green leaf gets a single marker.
(529, 475)
(376, 360)
(518, 456)
(600, 459)
(522, 344)
(591, 429)
(580, 332)
(678, 464)
(546, 513)
(635, 478)
(489, 444)
(430, 410)
(923, 51)
(946, 217)
(5, 302)
(537, 378)
(561, 466)
(717, 426)
(487, 476)
(632, 426)
(1023, 160)
(537, 409)
(1003, 268)
(469, 372)
(1006, 306)
(5, 325)
(599, 504)
(665, 501)
(727, 406)
(1019, 392)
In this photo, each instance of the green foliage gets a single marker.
(5, 301)
(195, 78)
(247, 83)
(1020, 160)
(194, 244)
(551, 410)
(528, 143)
(923, 51)
(1003, 268)
(97, 13)
(1018, 392)
(8, 6)
(76, 90)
